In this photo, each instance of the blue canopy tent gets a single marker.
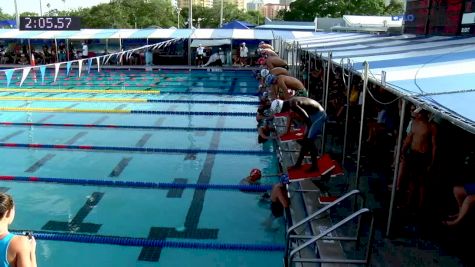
(415, 67)
(7, 23)
(237, 24)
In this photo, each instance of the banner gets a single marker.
(68, 67)
(107, 58)
(9, 74)
(89, 64)
(42, 71)
(98, 68)
(56, 71)
(25, 74)
(80, 66)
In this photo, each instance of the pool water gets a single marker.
(85, 135)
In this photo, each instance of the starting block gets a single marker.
(293, 135)
(324, 200)
(326, 166)
(281, 115)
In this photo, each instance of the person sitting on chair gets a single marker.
(313, 116)
(465, 196)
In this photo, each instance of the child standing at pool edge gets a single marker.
(15, 250)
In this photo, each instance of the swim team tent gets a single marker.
(237, 24)
(437, 72)
(248, 34)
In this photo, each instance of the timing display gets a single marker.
(50, 23)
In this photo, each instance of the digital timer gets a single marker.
(50, 23)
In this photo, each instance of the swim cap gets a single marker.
(264, 72)
(261, 61)
(276, 106)
(255, 174)
(270, 79)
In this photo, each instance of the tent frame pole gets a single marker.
(325, 95)
(56, 45)
(360, 138)
(347, 112)
(396, 168)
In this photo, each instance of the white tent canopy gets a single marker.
(210, 42)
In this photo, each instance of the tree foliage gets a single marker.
(4, 16)
(307, 10)
(149, 13)
(209, 17)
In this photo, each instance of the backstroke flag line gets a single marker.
(9, 74)
(56, 71)
(25, 74)
(105, 58)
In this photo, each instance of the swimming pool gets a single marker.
(109, 175)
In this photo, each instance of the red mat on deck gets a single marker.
(325, 165)
(326, 199)
(293, 135)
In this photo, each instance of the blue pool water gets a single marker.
(212, 218)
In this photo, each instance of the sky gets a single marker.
(8, 6)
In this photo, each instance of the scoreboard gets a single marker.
(468, 19)
(440, 17)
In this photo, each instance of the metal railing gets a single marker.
(292, 252)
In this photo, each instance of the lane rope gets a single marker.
(133, 100)
(145, 242)
(136, 184)
(138, 149)
(138, 127)
(150, 112)
(86, 91)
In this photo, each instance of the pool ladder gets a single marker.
(294, 254)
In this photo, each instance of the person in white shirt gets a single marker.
(243, 52)
(199, 55)
(85, 50)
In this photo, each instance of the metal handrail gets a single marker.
(320, 211)
(329, 230)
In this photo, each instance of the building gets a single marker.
(255, 5)
(285, 2)
(271, 10)
(203, 3)
(241, 4)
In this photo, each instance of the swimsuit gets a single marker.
(318, 120)
(301, 92)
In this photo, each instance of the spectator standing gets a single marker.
(85, 50)
(243, 52)
(199, 55)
